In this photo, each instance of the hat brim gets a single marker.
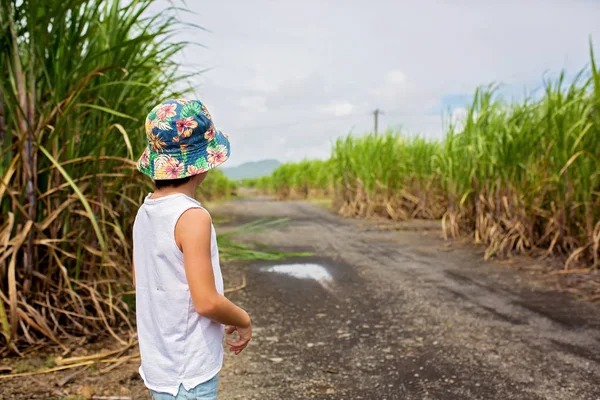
(166, 166)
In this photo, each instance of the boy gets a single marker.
(180, 307)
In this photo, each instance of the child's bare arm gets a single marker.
(192, 234)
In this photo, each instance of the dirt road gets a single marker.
(404, 316)
(383, 314)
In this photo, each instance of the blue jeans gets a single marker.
(204, 391)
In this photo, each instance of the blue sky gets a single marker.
(287, 77)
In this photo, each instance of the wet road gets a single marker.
(399, 315)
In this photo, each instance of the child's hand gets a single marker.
(245, 336)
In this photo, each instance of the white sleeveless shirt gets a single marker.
(177, 345)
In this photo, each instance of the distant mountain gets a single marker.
(252, 169)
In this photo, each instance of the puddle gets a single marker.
(303, 271)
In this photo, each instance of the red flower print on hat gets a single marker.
(166, 111)
(145, 159)
(173, 168)
(185, 126)
(217, 155)
(193, 170)
(210, 133)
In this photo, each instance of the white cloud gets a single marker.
(394, 90)
(340, 109)
(254, 103)
(261, 84)
(395, 77)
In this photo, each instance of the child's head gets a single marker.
(183, 143)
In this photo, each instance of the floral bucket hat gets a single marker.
(182, 141)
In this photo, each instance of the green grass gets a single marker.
(216, 186)
(296, 180)
(231, 250)
(23, 367)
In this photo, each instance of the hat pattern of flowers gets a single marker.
(182, 141)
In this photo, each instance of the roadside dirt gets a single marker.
(404, 316)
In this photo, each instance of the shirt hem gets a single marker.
(195, 381)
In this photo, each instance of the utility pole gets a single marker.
(376, 114)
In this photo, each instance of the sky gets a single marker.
(285, 78)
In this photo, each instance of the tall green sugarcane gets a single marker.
(520, 176)
(77, 78)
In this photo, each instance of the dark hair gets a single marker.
(163, 183)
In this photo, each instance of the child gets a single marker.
(180, 305)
